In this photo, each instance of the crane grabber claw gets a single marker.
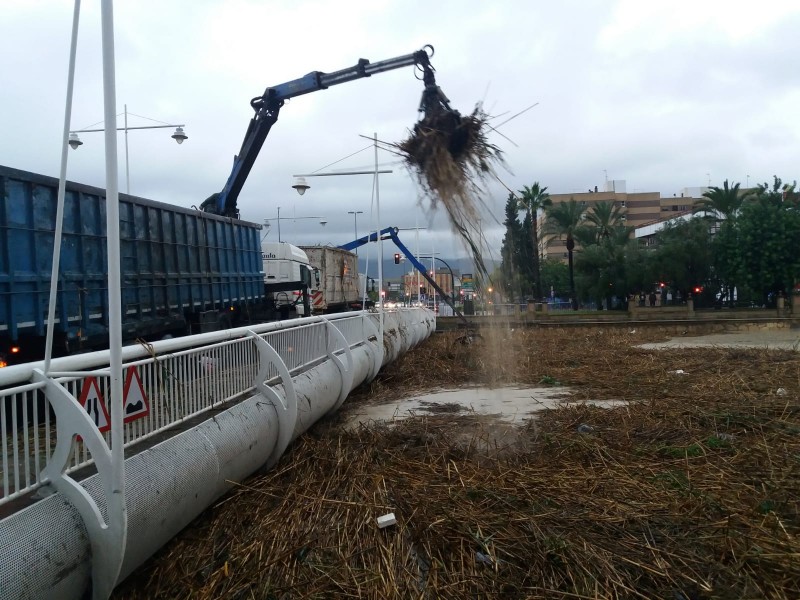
(434, 101)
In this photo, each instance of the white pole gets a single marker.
(433, 272)
(127, 167)
(117, 496)
(62, 186)
(416, 254)
(380, 241)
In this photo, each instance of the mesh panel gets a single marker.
(167, 487)
(243, 431)
(55, 552)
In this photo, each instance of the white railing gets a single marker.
(181, 379)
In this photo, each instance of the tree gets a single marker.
(613, 267)
(726, 258)
(769, 236)
(533, 199)
(555, 275)
(720, 203)
(512, 275)
(606, 218)
(683, 256)
(563, 220)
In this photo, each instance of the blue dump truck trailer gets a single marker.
(183, 271)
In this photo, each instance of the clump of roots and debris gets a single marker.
(451, 157)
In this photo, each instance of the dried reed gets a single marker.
(689, 491)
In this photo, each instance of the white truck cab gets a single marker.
(284, 264)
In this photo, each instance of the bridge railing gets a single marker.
(180, 379)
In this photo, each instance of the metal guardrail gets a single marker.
(180, 378)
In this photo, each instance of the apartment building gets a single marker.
(638, 208)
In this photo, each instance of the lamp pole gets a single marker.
(301, 186)
(355, 214)
(452, 277)
(179, 136)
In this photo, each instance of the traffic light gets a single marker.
(397, 258)
(422, 289)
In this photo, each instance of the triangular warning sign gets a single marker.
(134, 401)
(93, 403)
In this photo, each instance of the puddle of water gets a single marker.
(510, 405)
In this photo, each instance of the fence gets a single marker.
(175, 380)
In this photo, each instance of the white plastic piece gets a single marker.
(386, 520)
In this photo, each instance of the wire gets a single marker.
(131, 114)
(344, 158)
(148, 118)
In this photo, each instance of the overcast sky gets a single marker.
(664, 95)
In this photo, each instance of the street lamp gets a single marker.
(322, 221)
(301, 186)
(179, 136)
(452, 277)
(355, 214)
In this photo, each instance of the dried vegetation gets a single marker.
(451, 157)
(690, 491)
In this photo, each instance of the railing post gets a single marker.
(346, 372)
(285, 406)
(376, 349)
(107, 537)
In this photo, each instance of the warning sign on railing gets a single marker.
(134, 401)
(93, 403)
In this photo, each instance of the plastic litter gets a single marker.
(584, 428)
(781, 391)
(386, 520)
(482, 558)
(679, 372)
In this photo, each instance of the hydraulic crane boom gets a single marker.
(269, 105)
(390, 233)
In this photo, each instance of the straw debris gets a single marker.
(688, 491)
(450, 156)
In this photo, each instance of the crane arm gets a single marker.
(268, 106)
(390, 233)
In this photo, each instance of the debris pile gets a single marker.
(688, 491)
(451, 157)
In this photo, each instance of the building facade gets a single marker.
(638, 209)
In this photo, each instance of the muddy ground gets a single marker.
(686, 486)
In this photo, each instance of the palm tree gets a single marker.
(606, 217)
(533, 199)
(720, 203)
(563, 220)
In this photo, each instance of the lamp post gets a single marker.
(355, 214)
(179, 136)
(301, 186)
(322, 221)
(452, 277)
